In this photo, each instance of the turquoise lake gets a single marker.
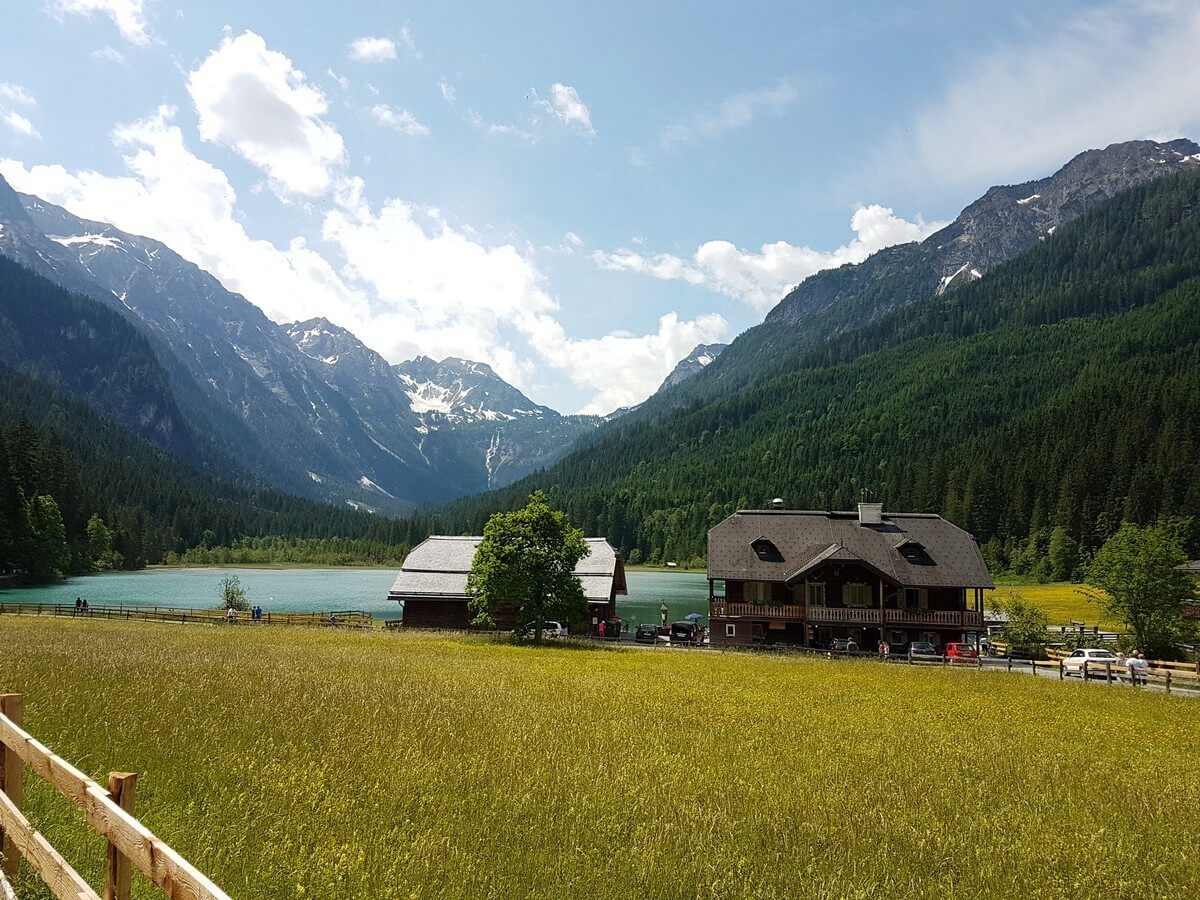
(326, 590)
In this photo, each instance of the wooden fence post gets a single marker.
(123, 787)
(10, 780)
(1168, 681)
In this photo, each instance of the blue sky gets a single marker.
(575, 193)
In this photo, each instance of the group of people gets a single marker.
(256, 614)
(80, 605)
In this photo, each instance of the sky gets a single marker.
(576, 194)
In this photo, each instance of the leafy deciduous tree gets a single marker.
(523, 567)
(1137, 569)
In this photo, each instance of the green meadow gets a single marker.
(292, 763)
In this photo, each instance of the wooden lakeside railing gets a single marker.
(107, 811)
(184, 615)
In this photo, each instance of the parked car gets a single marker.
(960, 650)
(1095, 657)
(549, 629)
(646, 634)
(612, 629)
(922, 648)
(842, 645)
(684, 632)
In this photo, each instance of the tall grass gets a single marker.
(300, 763)
(1063, 602)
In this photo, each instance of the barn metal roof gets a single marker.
(437, 568)
(808, 539)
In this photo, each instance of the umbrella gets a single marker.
(694, 616)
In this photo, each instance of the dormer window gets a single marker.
(914, 553)
(766, 550)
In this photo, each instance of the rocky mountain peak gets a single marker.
(701, 357)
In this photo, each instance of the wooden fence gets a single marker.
(349, 617)
(107, 811)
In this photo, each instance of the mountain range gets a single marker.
(1030, 369)
(306, 407)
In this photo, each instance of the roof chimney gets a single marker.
(777, 503)
(870, 514)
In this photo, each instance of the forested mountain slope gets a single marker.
(57, 447)
(1005, 222)
(1059, 392)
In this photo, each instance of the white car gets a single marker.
(554, 629)
(1095, 659)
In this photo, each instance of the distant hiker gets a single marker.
(601, 628)
(884, 649)
(85, 606)
(78, 605)
(230, 615)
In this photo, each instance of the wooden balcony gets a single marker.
(855, 615)
(965, 618)
(757, 610)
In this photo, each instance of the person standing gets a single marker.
(602, 628)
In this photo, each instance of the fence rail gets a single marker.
(184, 615)
(106, 811)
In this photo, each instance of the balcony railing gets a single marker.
(966, 618)
(848, 614)
(758, 610)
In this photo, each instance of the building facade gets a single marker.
(807, 578)
(432, 584)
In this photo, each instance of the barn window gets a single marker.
(730, 630)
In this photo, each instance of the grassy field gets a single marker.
(299, 763)
(1063, 602)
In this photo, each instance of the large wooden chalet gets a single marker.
(432, 584)
(806, 578)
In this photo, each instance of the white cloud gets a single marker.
(572, 238)
(128, 15)
(173, 196)
(406, 38)
(109, 54)
(733, 112)
(567, 106)
(1111, 74)
(404, 278)
(761, 278)
(449, 94)
(340, 80)
(399, 119)
(14, 93)
(372, 49)
(253, 100)
(18, 123)
(622, 368)
(477, 121)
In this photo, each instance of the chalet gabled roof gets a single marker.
(438, 567)
(808, 539)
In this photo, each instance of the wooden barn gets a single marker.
(432, 584)
(806, 578)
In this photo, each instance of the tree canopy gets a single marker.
(1137, 567)
(523, 568)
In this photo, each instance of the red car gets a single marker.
(960, 650)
